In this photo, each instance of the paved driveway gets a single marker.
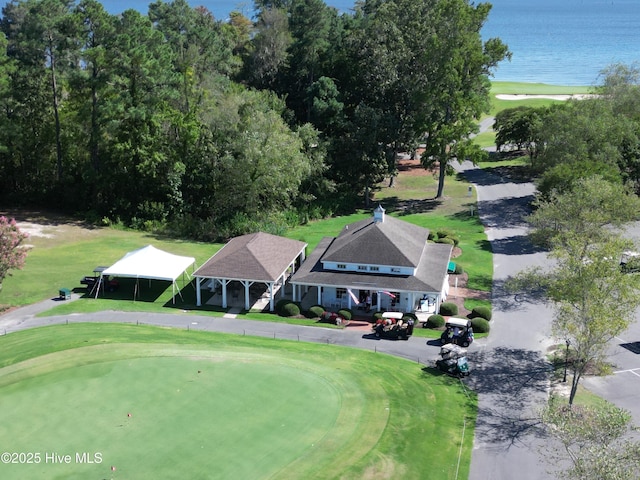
(511, 375)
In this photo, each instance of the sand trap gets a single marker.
(577, 96)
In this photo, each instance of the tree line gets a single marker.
(213, 128)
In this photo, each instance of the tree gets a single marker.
(594, 299)
(268, 54)
(38, 50)
(595, 135)
(141, 178)
(457, 90)
(520, 126)
(595, 440)
(91, 82)
(310, 27)
(582, 211)
(12, 252)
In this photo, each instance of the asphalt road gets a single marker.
(510, 372)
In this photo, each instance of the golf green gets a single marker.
(175, 411)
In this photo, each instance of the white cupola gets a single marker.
(378, 214)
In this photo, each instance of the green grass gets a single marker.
(209, 406)
(523, 88)
(61, 261)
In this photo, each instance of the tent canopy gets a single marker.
(150, 262)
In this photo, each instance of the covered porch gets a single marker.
(248, 269)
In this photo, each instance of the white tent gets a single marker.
(151, 263)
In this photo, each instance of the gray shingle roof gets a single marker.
(390, 242)
(256, 256)
(430, 275)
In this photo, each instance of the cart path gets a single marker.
(417, 349)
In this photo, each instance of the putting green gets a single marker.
(181, 411)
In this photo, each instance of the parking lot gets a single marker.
(623, 387)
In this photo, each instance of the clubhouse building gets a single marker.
(379, 263)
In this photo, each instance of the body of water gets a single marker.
(560, 42)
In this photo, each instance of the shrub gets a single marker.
(377, 316)
(280, 304)
(446, 240)
(410, 316)
(480, 325)
(445, 236)
(290, 310)
(435, 321)
(448, 309)
(481, 311)
(345, 313)
(459, 270)
(315, 312)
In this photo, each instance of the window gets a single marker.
(341, 293)
(374, 269)
(395, 298)
(395, 270)
(341, 266)
(362, 267)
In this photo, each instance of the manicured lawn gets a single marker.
(71, 252)
(522, 88)
(208, 406)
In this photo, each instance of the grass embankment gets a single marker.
(206, 405)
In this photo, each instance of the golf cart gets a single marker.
(457, 331)
(453, 361)
(391, 325)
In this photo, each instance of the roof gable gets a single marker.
(255, 256)
(389, 242)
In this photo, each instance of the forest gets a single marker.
(204, 128)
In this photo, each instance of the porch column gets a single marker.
(224, 283)
(246, 284)
(198, 295)
(271, 307)
(319, 294)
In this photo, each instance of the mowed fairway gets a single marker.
(161, 403)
